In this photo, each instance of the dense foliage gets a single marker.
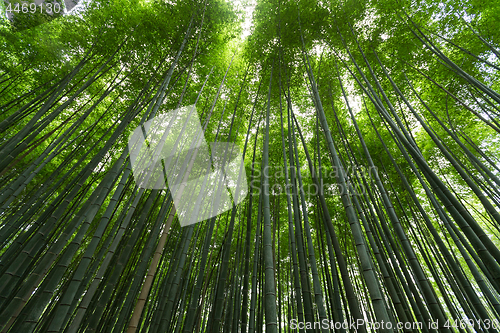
(370, 135)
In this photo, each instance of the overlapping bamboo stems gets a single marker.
(476, 235)
(438, 238)
(352, 300)
(367, 265)
(110, 177)
(400, 306)
(291, 235)
(318, 294)
(301, 250)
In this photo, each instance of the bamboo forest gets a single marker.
(365, 135)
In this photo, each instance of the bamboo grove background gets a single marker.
(391, 107)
